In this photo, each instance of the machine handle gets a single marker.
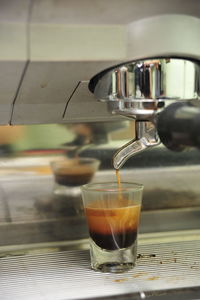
(178, 126)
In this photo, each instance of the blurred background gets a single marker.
(35, 207)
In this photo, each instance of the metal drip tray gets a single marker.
(162, 265)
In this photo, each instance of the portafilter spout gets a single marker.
(140, 90)
(146, 136)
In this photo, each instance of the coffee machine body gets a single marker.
(60, 46)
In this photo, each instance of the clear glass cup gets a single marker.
(69, 175)
(113, 214)
(74, 172)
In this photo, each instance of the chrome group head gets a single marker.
(140, 90)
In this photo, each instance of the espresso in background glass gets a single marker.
(74, 172)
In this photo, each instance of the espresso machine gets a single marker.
(69, 62)
(141, 90)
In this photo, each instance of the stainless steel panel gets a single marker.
(14, 11)
(107, 12)
(164, 35)
(64, 42)
(113, 31)
(67, 275)
(13, 52)
(47, 88)
(43, 94)
(9, 82)
(100, 36)
(14, 17)
(83, 106)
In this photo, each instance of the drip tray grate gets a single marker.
(66, 275)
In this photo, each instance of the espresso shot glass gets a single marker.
(113, 214)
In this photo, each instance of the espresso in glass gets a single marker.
(115, 225)
(113, 219)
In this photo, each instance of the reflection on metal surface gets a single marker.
(171, 202)
(140, 88)
(67, 275)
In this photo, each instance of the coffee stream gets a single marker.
(120, 197)
(118, 179)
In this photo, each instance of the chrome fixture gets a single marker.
(140, 90)
(146, 137)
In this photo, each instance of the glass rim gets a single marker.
(68, 162)
(61, 159)
(95, 186)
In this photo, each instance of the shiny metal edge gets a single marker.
(83, 244)
(161, 267)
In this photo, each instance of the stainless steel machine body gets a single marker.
(50, 51)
